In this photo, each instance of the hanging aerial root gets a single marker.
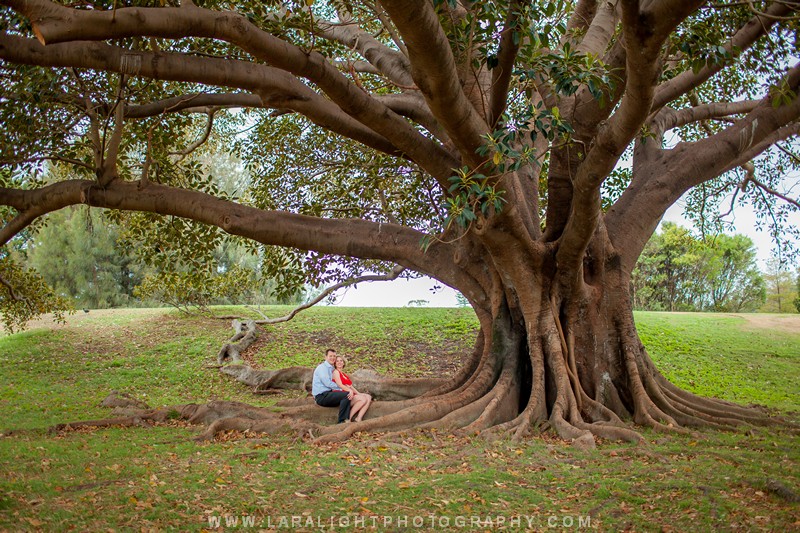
(565, 407)
(566, 419)
(567, 352)
(535, 412)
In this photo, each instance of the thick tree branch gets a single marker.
(668, 119)
(583, 15)
(391, 63)
(644, 32)
(600, 31)
(108, 168)
(771, 140)
(346, 237)
(362, 67)
(755, 28)
(20, 222)
(636, 214)
(435, 73)
(380, 58)
(197, 100)
(389, 27)
(413, 106)
(54, 24)
(510, 39)
(275, 87)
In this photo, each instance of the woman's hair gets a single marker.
(344, 361)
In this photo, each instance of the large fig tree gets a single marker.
(520, 152)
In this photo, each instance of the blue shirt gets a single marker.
(322, 381)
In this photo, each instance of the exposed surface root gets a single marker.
(215, 416)
(299, 378)
(525, 374)
(244, 335)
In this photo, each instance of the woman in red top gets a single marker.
(360, 401)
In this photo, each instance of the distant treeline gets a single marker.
(91, 259)
(680, 272)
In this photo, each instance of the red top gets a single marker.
(345, 378)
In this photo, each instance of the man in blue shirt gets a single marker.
(322, 387)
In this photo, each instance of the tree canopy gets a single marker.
(520, 152)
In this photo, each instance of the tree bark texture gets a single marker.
(546, 269)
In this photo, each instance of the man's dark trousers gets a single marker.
(333, 398)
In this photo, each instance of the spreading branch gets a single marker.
(346, 237)
(742, 40)
(691, 163)
(351, 282)
(57, 24)
(435, 73)
(275, 87)
(668, 119)
(644, 40)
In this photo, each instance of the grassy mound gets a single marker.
(158, 477)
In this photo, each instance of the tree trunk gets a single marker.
(571, 360)
(545, 356)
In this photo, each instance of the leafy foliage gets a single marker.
(471, 196)
(677, 272)
(76, 252)
(24, 294)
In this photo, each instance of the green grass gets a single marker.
(159, 478)
(725, 357)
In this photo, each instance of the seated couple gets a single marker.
(331, 387)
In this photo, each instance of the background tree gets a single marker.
(678, 272)
(481, 143)
(797, 291)
(76, 253)
(735, 282)
(666, 275)
(780, 288)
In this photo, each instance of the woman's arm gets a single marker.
(337, 378)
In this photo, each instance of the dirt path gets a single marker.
(787, 323)
(95, 315)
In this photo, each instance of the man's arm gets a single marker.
(322, 378)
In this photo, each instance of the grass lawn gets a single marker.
(159, 478)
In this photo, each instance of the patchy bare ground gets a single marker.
(787, 323)
(79, 317)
